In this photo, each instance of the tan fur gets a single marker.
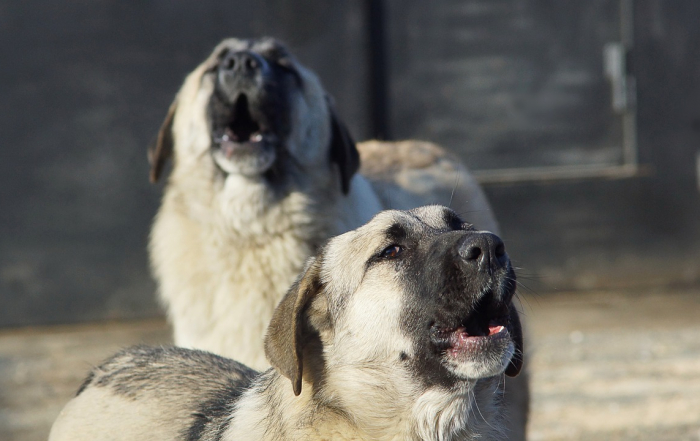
(357, 373)
(224, 250)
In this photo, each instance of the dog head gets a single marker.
(420, 293)
(250, 109)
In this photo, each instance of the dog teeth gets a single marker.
(256, 137)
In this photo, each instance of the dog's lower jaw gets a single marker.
(249, 165)
(481, 366)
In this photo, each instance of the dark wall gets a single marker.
(506, 84)
(85, 86)
(636, 231)
(521, 84)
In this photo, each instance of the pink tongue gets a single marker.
(495, 329)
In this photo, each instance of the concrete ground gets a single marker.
(604, 366)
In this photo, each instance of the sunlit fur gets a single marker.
(224, 248)
(355, 383)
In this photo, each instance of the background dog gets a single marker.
(264, 172)
(398, 330)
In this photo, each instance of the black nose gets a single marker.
(485, 250)
(242, 62)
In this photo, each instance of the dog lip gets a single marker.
(455, 341)
(462, 343)
(229, 146)
(468, 332)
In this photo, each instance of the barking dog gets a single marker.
(398, 330)
(263, 173)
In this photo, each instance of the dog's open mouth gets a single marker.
(241, 129)
(241, 141)
(473, 336)
(457, 341)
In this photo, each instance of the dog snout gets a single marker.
(241, 71)
(485, 251)
(242, 63)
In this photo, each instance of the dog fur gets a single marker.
(399, 330)
(237, 223)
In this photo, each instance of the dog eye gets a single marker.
(468, 227)
(391, 251)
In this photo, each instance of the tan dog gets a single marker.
(399, 330)
(264, 172)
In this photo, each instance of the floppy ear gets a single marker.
(159, 152)
(284, 342)
(342, 149)
(516, 331)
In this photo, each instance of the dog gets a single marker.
(399, 330)
(264, 172)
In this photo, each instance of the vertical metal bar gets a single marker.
(697, 167)
(627, 23)
(378, 111)
(629, 118)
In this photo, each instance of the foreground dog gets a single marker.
(264, 172)
(398, 330)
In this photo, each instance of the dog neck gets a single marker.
(252, 210)
(269, 410)
(322, 414)
(469, 411)
(244, 212)
(308, 212)
(402, 410)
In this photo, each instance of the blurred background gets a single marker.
(580, 118)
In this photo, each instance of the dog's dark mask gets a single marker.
(249, 111)
(460, 286)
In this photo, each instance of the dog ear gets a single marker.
(342, 149)
(162, 149)
(516, 332)
(284, 342)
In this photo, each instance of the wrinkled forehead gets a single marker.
(438, 217)
(346, 256)
(392, 225)
(267, 47)
(274, 51)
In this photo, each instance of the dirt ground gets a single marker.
(603, 365)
